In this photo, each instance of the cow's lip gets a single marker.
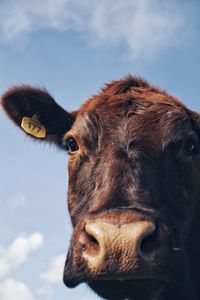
(146, 288)
(73, 281)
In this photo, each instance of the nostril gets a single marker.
(92, 241)
(89, 242)
(148, 243)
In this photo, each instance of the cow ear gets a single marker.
(194, 116)
(37, 113)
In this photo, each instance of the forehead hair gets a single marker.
(130, 90)
(133, 109)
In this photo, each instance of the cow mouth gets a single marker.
(127, 289)
(151, 279)
(137, 289)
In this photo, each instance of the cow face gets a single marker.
(133, 187)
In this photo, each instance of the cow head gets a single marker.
(134, 185)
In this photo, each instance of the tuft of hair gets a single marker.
(127, 84)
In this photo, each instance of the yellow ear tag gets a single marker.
(33, 127)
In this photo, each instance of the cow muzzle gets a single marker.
(113, 249)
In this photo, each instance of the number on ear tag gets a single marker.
(33, 127)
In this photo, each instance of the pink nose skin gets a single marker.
(114, 247)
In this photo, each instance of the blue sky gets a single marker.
(72, 48)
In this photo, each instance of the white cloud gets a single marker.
(18, 252)
(11, 289)
(144, 27)
(54, 273)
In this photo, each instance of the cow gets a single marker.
(134, 186)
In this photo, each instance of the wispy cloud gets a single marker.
(11, 289)
(143, 27)
(55, 271)
(18, 252)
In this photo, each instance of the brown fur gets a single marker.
(134, 162)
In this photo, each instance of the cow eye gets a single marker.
(190, 148)
(71, 145)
